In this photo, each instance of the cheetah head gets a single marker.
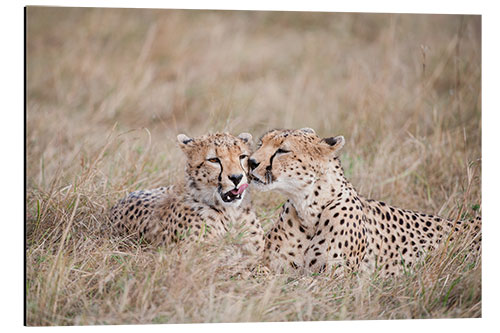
(291, 160)
(217, 166)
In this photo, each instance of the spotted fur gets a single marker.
(211, 201)
(325, 224)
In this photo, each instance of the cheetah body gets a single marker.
(210, 202)
(325, 224)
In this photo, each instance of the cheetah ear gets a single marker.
(247, 137)
(308, 130)
(335, 143)
(184, 141)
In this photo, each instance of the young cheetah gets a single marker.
(212, 200)
(326, 224)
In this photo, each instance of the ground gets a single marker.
(109, 90)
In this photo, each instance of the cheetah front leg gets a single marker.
(253, 235)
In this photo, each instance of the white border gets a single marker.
(381, 6)
(11, 18)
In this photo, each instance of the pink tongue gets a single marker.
(240, 190)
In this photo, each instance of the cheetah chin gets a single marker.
(257, 182)
(266, 185)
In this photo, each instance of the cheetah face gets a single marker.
(217, 166)
(290, 160)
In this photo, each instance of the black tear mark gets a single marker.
(330, 141)
(270, 167)
(221, 170)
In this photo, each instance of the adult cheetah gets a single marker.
(212, 200)
(326, 224)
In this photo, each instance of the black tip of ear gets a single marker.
(308, 130)
(331, 141)
(184, 139)
(246, 137)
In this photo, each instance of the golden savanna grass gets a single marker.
(109, 89)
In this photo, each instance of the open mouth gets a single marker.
(234, 194)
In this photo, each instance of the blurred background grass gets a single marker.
(109, 89)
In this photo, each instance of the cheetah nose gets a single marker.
(235, 179)
(253, 163)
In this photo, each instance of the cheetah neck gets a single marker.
(201, 195)
(328, 186)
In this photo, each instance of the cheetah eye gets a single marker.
(282, 151)
(213, 160)
(242, 157)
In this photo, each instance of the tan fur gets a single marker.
(325, 224)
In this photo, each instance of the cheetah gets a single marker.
(212, 199)
(325, 224)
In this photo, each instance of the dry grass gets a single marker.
(108, 90)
